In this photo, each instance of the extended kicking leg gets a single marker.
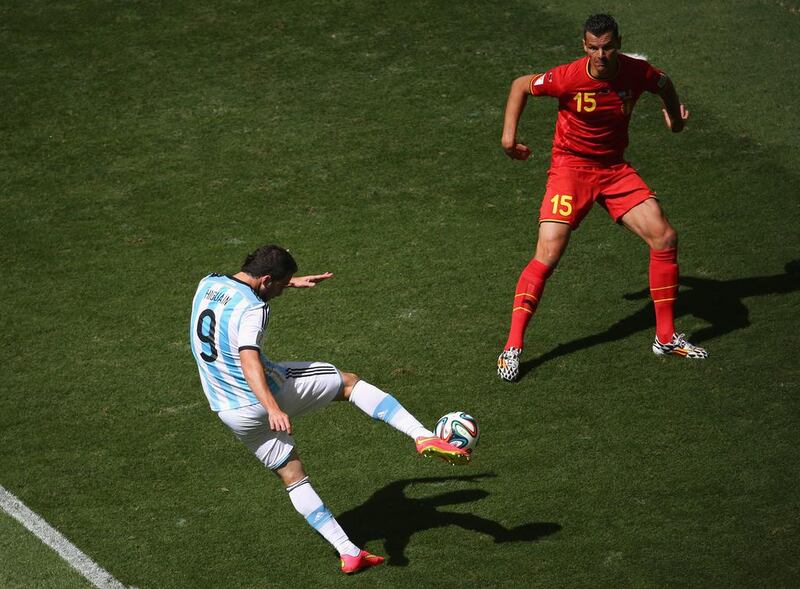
(382, 406)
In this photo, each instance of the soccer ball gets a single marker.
(458, 428)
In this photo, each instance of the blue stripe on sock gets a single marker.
(319, 517)
(386, 409)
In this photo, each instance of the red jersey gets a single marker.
(593, 114)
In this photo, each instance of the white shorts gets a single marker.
(301, 387)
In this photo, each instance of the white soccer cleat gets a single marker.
(508, 364)
(678, 346)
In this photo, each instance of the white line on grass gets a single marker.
(93, 572)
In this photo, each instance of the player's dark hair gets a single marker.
(598, 24)
(270, 259)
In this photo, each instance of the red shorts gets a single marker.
(571, 192)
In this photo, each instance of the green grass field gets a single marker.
(146, 144)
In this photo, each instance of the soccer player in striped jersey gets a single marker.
(257, 398)
(596, 95)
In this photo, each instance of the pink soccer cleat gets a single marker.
(436, 446)
(364, 560)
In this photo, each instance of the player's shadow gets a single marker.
(718, 302)
(390, 515)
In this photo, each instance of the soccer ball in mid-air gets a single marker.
(458, 428)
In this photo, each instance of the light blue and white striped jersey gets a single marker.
(227, 316)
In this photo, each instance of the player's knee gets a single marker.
(549, 252)
(349, 380)
(291, 471)
(666, 238)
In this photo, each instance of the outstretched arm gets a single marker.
(517, 98)
(309, 281)
(675, 113)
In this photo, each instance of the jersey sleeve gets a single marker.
(252, 327)
(546, 84)
(654, 79)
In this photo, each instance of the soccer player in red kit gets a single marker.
(596, 95)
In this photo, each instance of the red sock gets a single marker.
(529, 292)
(664, 290)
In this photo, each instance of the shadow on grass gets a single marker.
(393, 517)
(718, 302)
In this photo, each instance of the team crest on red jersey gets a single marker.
(626, 96)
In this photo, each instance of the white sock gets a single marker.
(310, 506)
(379, 405)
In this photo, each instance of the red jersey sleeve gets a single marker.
(653, 79)
(548, 83)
